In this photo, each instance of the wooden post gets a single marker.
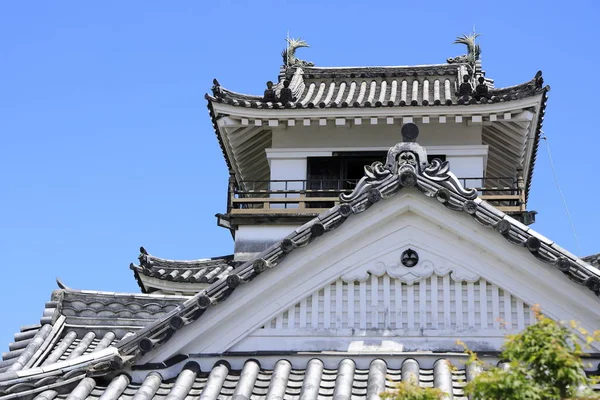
(231, 192)
(521, 187)
(302, 204)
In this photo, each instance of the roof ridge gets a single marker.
(387, 66)
(422, 91)
(125, 294)
(144, 252)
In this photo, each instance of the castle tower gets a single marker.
(378, 214)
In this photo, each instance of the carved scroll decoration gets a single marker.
(439, 172)
(391, 264)
(406, 165)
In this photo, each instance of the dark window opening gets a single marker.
(329, 176)
(431, 157)
(340, 172)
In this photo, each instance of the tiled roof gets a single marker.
(29, 339)
(429, 85)
(77, 322)
(311, 380)
(106, 308)
(204, 271)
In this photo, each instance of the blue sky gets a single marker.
(106, 143)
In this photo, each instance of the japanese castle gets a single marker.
(378, 214)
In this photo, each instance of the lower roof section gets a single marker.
(342, 376)
(311, 378)
(81, 322)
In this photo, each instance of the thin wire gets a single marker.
(561, 193)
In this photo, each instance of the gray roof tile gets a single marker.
(366, 87)
(307, 381)
(92, 322)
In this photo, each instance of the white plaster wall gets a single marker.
(288, 169)
(264, 232)
(367, 135)
(288, 163)
(466, 161)
(250, 239)
(468, 166)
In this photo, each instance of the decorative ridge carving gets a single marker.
(439, 172)
(405, 166)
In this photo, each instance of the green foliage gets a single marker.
(545, 364)
(412, 391)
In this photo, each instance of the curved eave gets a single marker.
(258, 122)
(154, 269)
(213, 118)
(224, 108)
(77, 323)
(200, 275)
(536, 140)
(378, 101)
(170, 287)
(150, 261)
(378, 87)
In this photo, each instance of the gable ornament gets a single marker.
(405, 165)
(409, 258)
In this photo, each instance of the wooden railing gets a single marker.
(315, 196)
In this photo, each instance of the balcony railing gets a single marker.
(315, 196)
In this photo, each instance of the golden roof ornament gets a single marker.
(289, 54)
(473, 48)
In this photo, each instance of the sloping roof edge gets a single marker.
(381, 181)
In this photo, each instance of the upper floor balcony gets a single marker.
(311, 197)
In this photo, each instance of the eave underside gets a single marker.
(430, 90)
(509, 132)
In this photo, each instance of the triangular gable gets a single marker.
(406, 167)
(448, 240)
